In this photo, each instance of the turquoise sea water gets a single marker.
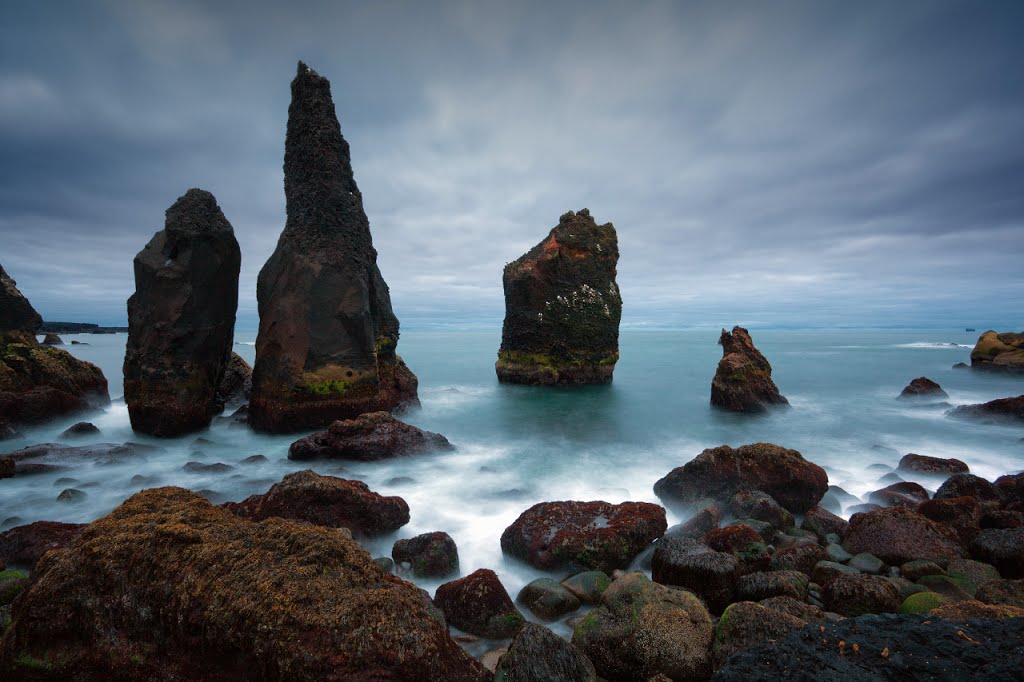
(520, 445)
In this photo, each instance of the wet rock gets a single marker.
(742, 542)
(763, 528)
(235, 387)
(924, 464)
(923, 387)
(583, 535)
(915, 570)
(1011, 488)
(767, 584)
(202, 468)
(327, 337)
(796, 608)
(998, 352)
(743, 380)
(721, 472)
(326, 501)
(286, 599)
(745, 624)
(913, 650)
(385, 563)
(973, 609)
(72, 496)
(1001, 518)
(22, 546)
(922, 602)
(11, 585)
(685, 562)
(950, 588)
(822, 522)
(867, 563)
(8, 467)
(562, 307)
(1003, 548)
(181, 319)
(478, 604)
(1008, 592)
(837, 553)
(430, 555)
(897, 535)
(643, 629)
(801, 558)
(826, 571)
(588, 586)
(995, 411)
(547, 599)
(368, 437)
(80, 429)
(18, 319)
(55, 454)
(961, 514)
(969, 485)
(52, 340)
(862, 508)
(755, 504)
(906, 494)
(699, 525)
(254, 459)
(536, 653)
(855, 595)
(976, 572)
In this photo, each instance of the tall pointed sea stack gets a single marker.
(181, 319)
(562, 307)
(743, 382)
(326, 345)
(38, 382)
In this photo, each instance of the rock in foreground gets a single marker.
(167, 586)
(719, 473)
(368, 437)
(583, 535)
(999, 352)
(181, 319)
(743, 381)
(897, 535)
(562, 307)
(537, 654)
(327, 337)
(479, 605)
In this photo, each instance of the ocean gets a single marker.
(519, 445)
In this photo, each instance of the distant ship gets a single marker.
(970, 329)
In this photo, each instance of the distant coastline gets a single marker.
(78, 328)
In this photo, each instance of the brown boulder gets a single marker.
(368, 437)
(194, 592)
(429, 555)
(327, 337)
(969, 485)
(856, 595)
(932, 465)
(746, 624)
(743, 381)
(1003, 548)
(479, 605)
(22, 546)
(994, 411)
(897, 535)
(18, 319)
(326, 501)
(721, 472)
(961, 514)
(904, 494)
(583, 535)
(971, 608)
(1011, 489)
(236, 386)
(742, 542)
(822, 522)
(686, 562)
(801, 558)
(999, 352)
(923, 387)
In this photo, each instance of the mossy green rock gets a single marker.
(588, 586)
(915, 570)
(922, 602)
(548, 599)
(642, 629)
(745, 624)
(956, 589)
(11, 584)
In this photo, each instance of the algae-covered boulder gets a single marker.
(583, 535)
(168, 586)
(642, 629)
(855, 595)
(1003, 548)
(368, 437)
(430, 555)
(1002, 352)
(327, 337)
(479, 605)
(537, 654)
(719, 473)
(685, 562)
(562, 307)
(745, 624)
(743, 381)
(181, 319)
(326, 501)
(897, 535)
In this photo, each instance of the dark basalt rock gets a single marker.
(326, 501)
(994, 411)
(1011, 489)
(906, 494)
(583, 535)
(889, 647)
(430, 555)
(961, 514)
(236, 386)
(562, 307)
(643, 629)
(56, 455)
(743, 381)
(855, 595)
(478, 604)
(745, 624)
(969, 485)
(822, 522)
(195, 592)
(769, 584)
(327, 338)
(685, 562)
(536, 654)
(897, 535)
(547, 599)
(1009, 592)
(1003, 548)
(999, 352)
(720, 473)
(181, 319)
(22, 546)
(80, 429)
(204, 468)
(923, 387)
(755, 504)
(368, 437)
(932, 465)
(8, 467)
(37, 382)
(801, 558)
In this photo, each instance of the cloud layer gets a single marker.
(773, 164)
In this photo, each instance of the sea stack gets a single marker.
(181, 319)
(999, 352)
(38, 382)
(562, 307)
(327, 337)
(743, 382)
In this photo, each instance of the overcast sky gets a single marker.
(765, 163)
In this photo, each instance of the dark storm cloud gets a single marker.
(768, 163)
